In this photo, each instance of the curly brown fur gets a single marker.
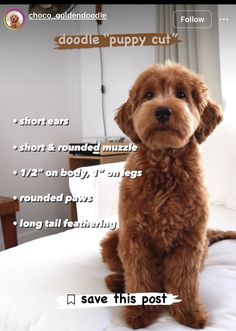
(115, 282)
(214, 236)
(109, 251)
(162, 241)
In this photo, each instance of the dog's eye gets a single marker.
(180, 95)
(149, 95)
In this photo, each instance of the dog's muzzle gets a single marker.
(163, 114)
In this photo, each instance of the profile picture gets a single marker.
(14, 19)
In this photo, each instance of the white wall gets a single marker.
(37, 81)
(227, 31)
(121, 64)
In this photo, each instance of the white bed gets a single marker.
(32, 275)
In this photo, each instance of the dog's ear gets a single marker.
(211, 116)
(124, 119)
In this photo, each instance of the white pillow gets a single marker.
(219, 157)
(231, 200)
(103, 189)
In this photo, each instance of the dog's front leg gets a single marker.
(182, 269)
(142, 274)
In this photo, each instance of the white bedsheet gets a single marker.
(32, 275)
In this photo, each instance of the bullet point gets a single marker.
(15, 197)
(15, 223)
(15, 147)
(15, 172)
(15, 121)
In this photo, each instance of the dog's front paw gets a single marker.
(115, 282)
(140, 316)
(193, 317)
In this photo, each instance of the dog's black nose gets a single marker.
(163, 114)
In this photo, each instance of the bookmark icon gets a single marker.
(70, 299)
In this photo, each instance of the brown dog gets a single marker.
(162, 241)
(15, 24)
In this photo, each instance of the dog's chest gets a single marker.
(167, 200)
(164, 201)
